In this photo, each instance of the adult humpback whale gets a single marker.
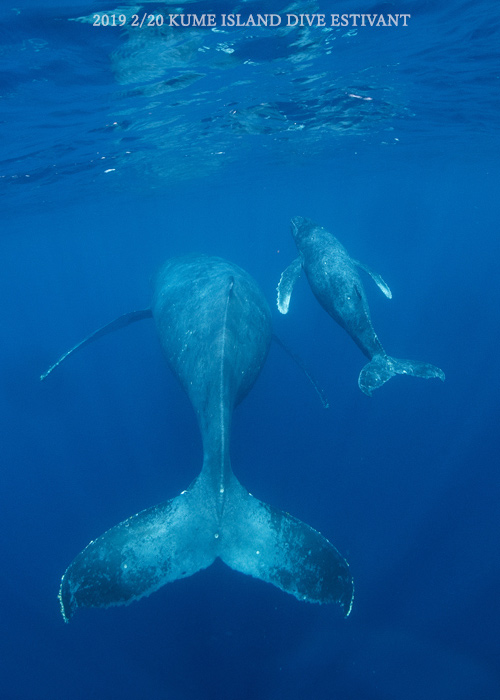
(215, 328)
(335, 282)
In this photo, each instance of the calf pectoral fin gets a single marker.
(285, 285)
(135, 558)
(120, 322)
(383, 286)
(276, 547)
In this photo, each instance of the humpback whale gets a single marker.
(335, 282)
(214, 326)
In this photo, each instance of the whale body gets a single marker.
(334, 279)
(214, 326)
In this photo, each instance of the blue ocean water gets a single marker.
(121, 147)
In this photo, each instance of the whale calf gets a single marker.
(334, 279)
(214, 326)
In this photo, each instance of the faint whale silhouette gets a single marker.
(215, 328)
(335, 282)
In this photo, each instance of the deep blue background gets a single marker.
(405, 484)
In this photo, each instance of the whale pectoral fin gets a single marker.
(135, 558)
(301, 364)
(276, 547)
(383, 286)
(120, 322)
(285, 286)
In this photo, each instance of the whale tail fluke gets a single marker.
(273, 546)
(161, 544)
(184, 535)
(382, 367)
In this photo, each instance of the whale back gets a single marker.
(332, 274)
(213, 322)
(335, 282)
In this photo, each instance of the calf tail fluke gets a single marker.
(382, 367)
(184, 535)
